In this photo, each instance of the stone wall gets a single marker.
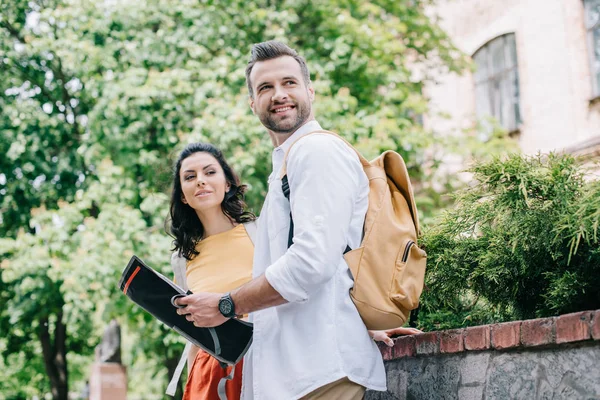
(548, 358)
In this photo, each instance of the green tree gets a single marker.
(62, 276)
(97, 97)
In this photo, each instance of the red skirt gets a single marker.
(203, 380)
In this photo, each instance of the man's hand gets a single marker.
(386, 336)
(202, 309)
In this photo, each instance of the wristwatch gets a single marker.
(226, 306)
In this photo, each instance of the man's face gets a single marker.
(282, 100)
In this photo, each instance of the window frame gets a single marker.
(592, 58)
(496, 76)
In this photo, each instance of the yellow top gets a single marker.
(224, 262)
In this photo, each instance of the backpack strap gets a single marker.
(178, 264)
(251, 230)
(365, 163)
(172, 387)
(221, 387)
(285, 186)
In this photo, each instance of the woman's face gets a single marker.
(203, 182)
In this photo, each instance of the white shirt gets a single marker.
(318, 337)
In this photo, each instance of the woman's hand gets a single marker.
(386, 336)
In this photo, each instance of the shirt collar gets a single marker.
(305, 129)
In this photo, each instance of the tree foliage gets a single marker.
(97, 97)
(522, 242)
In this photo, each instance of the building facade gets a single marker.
(537, 72)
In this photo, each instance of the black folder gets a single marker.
(155, 293)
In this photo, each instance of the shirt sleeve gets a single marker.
(324, 175)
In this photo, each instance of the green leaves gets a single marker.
(523, 237)
(97, 98)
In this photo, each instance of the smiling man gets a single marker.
(309, 340)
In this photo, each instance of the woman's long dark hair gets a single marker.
(185, 227)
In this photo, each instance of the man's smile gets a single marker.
(281, 109)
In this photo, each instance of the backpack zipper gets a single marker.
(407, 250)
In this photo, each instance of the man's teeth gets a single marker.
(283, 109)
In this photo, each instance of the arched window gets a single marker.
(592, 23)
(497, 82)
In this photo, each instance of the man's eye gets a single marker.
(290, 82)
(264, 87)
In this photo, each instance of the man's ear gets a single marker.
(311, 92)
(251, 104)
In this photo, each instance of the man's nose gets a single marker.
(279, 94)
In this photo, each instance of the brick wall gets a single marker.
(556, 357)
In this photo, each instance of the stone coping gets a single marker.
(567, 328)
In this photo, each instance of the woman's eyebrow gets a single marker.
(204, 168)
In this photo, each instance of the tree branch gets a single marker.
(49, 353)
(12, 31)
(66, 96)
(60, 358)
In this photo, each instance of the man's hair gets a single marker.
(270, 50)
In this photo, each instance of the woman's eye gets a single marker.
(189, 177)
(210, 173)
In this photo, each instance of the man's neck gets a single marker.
(278, 138)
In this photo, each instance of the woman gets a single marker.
(207, 221)
(207, 215)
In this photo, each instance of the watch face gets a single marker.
(225, 307)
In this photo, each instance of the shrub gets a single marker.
(521, 242)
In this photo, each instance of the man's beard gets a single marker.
(302, 115)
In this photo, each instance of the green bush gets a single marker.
(521, 242)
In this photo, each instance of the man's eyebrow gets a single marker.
(262, 84)
(285, 78)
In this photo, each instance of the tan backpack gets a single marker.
(388, 267)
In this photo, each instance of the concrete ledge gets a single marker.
(596, 325)
(452, 341)
(506, 335)
(573, 327)
(568, 328)
(478, 338)
(555, 357)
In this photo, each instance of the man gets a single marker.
(309, 340)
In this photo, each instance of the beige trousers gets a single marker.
(342, 389)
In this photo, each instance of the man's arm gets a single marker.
(203, 308)
(256, 295)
